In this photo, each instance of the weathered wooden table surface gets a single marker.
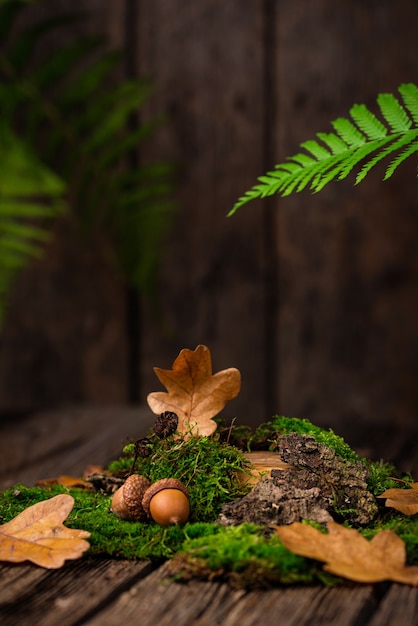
(111, 592)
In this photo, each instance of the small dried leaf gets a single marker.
(194, 394)
(92, 469)
(403, 500)
(64, 481)
(262, 463)
(38, 535)
(348, 554)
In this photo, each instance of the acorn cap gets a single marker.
(164, 483)
(127, 500)
(166, 424)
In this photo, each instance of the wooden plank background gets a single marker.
(313, 298)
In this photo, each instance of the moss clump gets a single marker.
(110, 536)
(406, 527)
(280, 425)
(246, 557)
(267, 436)
(208, 467)
(243, 556)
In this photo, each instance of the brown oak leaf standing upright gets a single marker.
(38, 535)
(193, 392)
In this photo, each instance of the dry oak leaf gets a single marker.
(194, 394)
(38, 535)
(348, 554)
(403, 500)
(65, 481)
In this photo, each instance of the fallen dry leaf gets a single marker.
(92, 469)
(262, 462)
(38, 535)
(194, 394)
(403, 500)
(64, 481)
(348, 554)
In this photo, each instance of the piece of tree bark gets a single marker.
(322, 487)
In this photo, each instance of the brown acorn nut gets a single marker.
(167, 502)
(127, 500)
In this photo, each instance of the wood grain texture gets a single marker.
(72, 592)
(293, 606)
(16, 581)
(49, 443)
(240, 85)
(160, 602)
(67, 441)
(203, 604)
(399, 606)
(211, 284)
(64, 336)
(110, 592)
(347, 258)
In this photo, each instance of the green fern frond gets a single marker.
(30, 197)
(364, 140)
(396, 142)
(411, 149)
(368, 122)
(394, 113)
(74, 110)
(352, 136)
(409, 93)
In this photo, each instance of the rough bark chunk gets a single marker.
(323, 487)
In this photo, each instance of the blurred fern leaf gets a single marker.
(363, 141)
(62, 96)
(31, 196)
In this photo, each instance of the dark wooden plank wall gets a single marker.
(64, 340)
(348, 262)
(314, 298)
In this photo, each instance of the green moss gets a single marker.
(240, 554)
(404, 526)
(208, 467)
(110, 535)
(267, 435)
(380, 474)
(245, 555)
(280, 425)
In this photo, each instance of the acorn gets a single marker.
(127, 500)
(167, 502)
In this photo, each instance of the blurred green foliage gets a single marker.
(69, 138)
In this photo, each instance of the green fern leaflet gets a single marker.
(365, 140)
(69, 126)
(31, 197)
